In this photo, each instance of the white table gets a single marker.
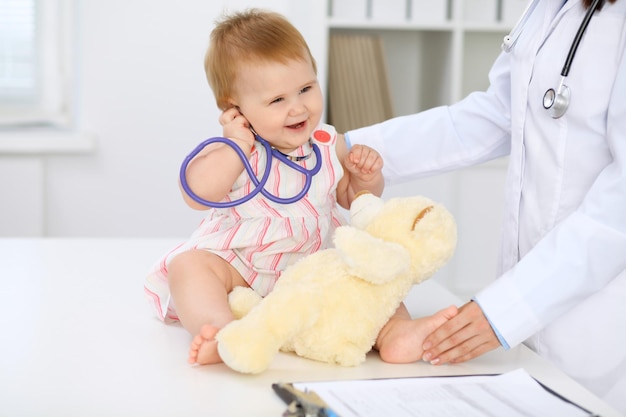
(78, 339)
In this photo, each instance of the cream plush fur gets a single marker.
(331, 305)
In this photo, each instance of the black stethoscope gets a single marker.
(555, 101)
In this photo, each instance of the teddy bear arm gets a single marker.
(370, 258)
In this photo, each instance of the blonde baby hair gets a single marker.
(249, 36)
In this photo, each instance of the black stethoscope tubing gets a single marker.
(578, 38)
(556, 101)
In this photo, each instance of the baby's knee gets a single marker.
(191, 262)
(181, 261)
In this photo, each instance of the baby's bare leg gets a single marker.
(199, 283)
(401, 339)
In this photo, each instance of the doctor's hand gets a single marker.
(464, 337)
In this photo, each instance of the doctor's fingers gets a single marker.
(480, 347)
(456, 332)
(473, 345)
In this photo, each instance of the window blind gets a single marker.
(18, 52)
(35, 79)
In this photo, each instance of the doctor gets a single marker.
(562, 265)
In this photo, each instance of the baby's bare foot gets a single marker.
(401, 340)
(203, 350)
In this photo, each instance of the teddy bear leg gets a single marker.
(242, 300)
(249, 345)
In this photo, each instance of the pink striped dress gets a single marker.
(260, 238)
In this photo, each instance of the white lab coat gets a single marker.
(562, 283)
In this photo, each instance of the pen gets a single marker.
(302, 403)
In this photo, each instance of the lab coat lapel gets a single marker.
(532, 38)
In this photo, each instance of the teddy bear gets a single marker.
(331, 305)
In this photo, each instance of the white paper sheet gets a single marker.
(511, 394)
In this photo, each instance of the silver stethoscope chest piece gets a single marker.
(556, 101)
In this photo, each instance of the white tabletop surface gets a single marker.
(77, 339)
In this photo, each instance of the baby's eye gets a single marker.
(305, 89)
(277, 100)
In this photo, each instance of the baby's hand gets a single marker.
(237, 128)
(363, 161)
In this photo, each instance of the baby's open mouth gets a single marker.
(296, 126)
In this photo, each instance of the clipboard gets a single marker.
(511, 394)
(302, 403)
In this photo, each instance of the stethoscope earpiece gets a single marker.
(507, 43)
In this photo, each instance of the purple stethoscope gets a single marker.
(258, 183)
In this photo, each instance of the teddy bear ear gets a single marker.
(364, 208)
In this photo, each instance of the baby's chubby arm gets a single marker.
(212, 173)
(362, 171)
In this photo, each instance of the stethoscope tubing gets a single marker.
(258, 183)
(555, 101)
(510, 39)
(578, 38)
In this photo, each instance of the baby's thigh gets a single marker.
(203, 264)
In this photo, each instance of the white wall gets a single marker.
(142, 92)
